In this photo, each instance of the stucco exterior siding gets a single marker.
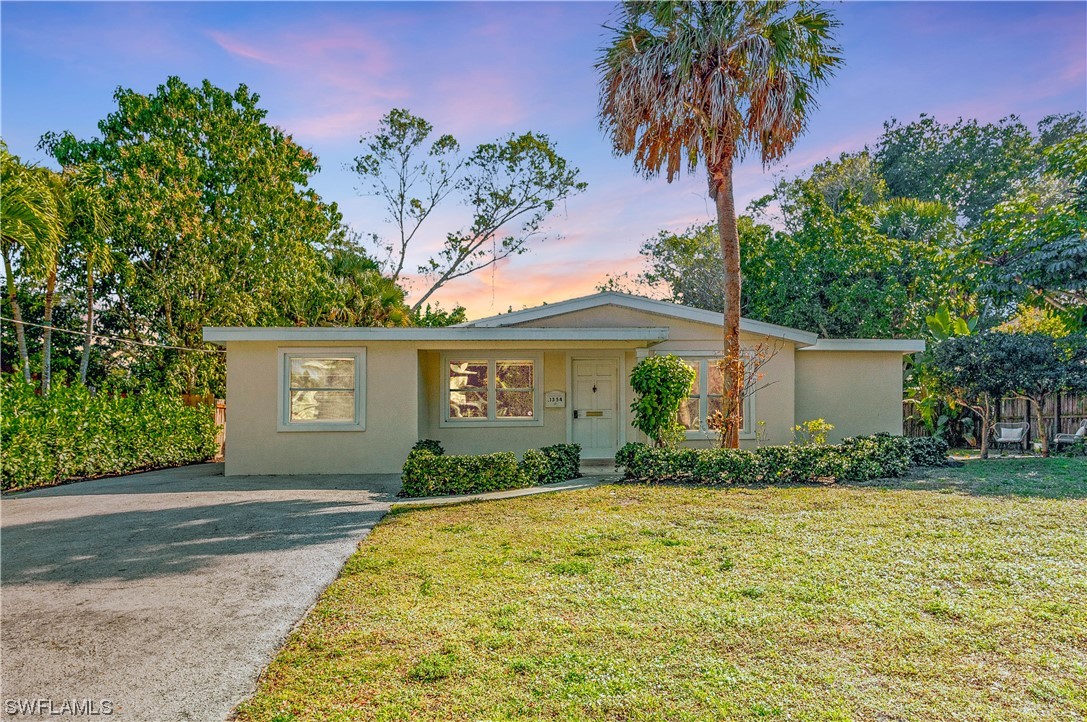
(255, 446)
(854, 384)
(466, 439)
(858, 392)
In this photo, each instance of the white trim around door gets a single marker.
(619, 358)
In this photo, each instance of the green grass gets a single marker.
(960, 594)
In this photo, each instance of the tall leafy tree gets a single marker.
(684, 83)
(511, 186)
(213, 209)
(1035, 366)
(967, 165)
(1033, 246)
(30, 233)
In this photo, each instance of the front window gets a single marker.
(322, 390)
(707, 398)
(481, 388)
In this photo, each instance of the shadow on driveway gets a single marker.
(167, 592)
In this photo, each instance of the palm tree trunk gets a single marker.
(17, 314)
(720, 182)
(89, 339)
(47, 333)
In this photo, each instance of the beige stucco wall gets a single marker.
(254, 446)
(860, 392)
(774, 402)
(469, 440)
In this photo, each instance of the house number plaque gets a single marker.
(555, 400)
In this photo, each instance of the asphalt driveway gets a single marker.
(166, 593)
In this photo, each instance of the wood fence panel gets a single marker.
(1062, 413)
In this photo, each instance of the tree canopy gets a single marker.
(838, 251)
(704, 83)
(511, 185)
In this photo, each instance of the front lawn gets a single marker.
(961, 594)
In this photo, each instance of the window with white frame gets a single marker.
(482, 388)
(707, 397)
(322, 389)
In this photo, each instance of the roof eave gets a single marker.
(903, 346)
(325, 334)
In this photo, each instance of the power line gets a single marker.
(114, 338)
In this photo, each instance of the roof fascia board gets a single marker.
(868, 344)
(220, 334)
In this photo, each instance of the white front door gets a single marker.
(595, 406)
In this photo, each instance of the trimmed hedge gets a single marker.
(431, 445)
(860, 458)
(928, 451)
(71, 433)
(427, 473)
(565, 460)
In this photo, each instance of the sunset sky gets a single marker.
(326, 72)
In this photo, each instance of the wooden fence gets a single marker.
(220, 417)
(1063, 413)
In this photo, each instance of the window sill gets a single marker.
(489, 424)
(291, 428)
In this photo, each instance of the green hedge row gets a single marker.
(72, 434)
(429, 472)
(855, 459)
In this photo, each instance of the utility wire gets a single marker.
(114, 338)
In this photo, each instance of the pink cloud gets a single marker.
(340, 73)
(538, 282)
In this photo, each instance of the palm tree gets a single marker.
(362, 296)
(682, 82)
(30, 231)
(88, 236)
(84, 225)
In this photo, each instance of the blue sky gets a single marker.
(326, 72)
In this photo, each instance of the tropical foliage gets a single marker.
(187, 210)
(875, 242)
(662, 384)
(684, 84)
(73, 433)
(978, 369)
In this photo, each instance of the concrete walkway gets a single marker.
(167, 592)
(586, 482)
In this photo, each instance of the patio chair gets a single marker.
(1070, 439)
(1006, 434)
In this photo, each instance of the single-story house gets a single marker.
(355, 400)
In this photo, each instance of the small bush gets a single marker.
(928, 451)
(856, 459)
(565, 462)
(537, 468)
(626, 453)
(431, 445)
(428, 474)
(661, 384)
(72, 433)
(813, 431)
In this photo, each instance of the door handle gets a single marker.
(575, 413)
